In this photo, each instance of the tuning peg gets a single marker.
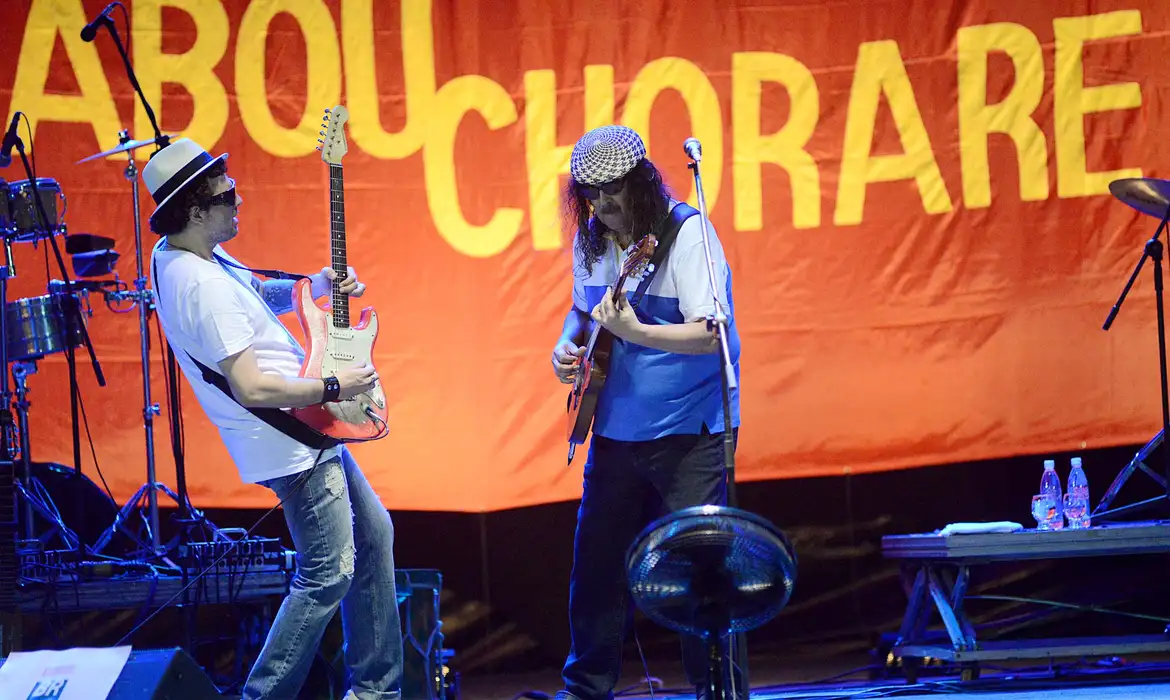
(321, 141)
(322, 133)
(326, 110)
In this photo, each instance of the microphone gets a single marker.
(9, 141)
(89, 31)
(693, 149)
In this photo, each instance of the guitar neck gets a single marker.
(619, 289)
(339, 300)
(592, 340)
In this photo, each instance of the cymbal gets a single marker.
(122, 148)
(1146, 194)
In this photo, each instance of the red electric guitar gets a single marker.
(332, 343)
(591, 373)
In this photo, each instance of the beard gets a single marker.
(228, 231)
(613, 217)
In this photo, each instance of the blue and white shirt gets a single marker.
(651, 393)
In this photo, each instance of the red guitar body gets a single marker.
(328, 349)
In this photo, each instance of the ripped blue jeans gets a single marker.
(344, 540)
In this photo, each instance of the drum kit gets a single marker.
(32, 211)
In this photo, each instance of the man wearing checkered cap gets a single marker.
(657, 444)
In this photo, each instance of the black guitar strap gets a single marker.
(275, 417)
(667, 233)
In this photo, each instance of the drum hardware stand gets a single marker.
(67, 311)
(28, 488)
(144, 299)
(7, 427)
(145, 303)
(1151, 197)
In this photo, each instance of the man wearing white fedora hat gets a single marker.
(657, 444)
(243, 366)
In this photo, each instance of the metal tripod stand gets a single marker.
(28, 488)
(144, 300)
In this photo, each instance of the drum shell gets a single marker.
(6, 223)
(25, 218)
(36, 326)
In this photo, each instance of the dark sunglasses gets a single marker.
(611, 188)
(226, 198)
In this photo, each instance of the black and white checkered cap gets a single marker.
(605, 154)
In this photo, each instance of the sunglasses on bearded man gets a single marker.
(593, 192)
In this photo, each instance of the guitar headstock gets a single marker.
(333, 147)
(639, 257)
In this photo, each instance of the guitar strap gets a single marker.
(669, 230)
(275, 417)
(274, 274)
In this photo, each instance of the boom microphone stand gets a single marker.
(1150, 197)
(144, 298)
(185, 517)
(737, 644)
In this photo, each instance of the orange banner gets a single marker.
(913, 197)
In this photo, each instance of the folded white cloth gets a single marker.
(980, 528)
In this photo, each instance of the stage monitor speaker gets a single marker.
(84, 506)
(162, 674)
(423, 677)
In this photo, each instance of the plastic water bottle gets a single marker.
(1050, 488)
(1078, 490)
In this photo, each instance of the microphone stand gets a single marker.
(719, 321)
(184, 517)
(1153, 251)
(737, 644)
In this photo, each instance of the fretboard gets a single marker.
(620, 287)
(337, 244)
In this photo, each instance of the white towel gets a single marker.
(980, 528)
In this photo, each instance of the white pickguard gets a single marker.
(349, 347)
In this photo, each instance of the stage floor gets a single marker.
(1096, 692)
(1058, 690)
(815, 678)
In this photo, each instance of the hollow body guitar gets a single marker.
(332, 343)
(594, 365)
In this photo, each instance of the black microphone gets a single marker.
(89, 31)
(9, 141)
(693, 148)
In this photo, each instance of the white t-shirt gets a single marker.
(212, 312)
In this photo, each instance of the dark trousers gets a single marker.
(627, 486)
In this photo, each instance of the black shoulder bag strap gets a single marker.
(670, 226)
(278, 419)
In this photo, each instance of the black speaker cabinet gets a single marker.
(162, 674)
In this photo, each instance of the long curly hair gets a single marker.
(647, 203)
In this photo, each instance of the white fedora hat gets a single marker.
(174, 167)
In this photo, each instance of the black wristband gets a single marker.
(332, 389)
